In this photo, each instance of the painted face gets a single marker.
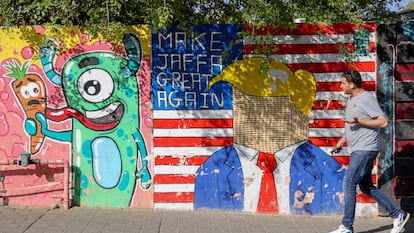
(96, 87)
(31, 93)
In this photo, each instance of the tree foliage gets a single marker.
(110, 15)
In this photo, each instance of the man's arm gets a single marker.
(376, 122)
(338, 147)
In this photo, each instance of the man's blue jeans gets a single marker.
(359, 172)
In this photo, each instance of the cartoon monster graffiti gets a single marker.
(101, 92)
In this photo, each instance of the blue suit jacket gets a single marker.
(219, 182)
(313, 170)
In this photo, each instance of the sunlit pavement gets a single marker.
(77, 219)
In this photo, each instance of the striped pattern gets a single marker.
(315, 48)
(183, 139)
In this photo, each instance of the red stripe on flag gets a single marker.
(174, 197)
(184, 160)
(344, 160)
(333, 66)
(324, 141)
(311, 29)
(336, 86)
(327, 105)
(303, 48)
(192, 141)
(327, 123)
(174, 179)
(363, 198)
(192, 123)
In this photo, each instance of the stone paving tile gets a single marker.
(90, 220)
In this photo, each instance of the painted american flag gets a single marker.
(190, 122)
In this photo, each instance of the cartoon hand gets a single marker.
(30, 126)
(145, 177)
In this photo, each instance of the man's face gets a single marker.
(346, 86)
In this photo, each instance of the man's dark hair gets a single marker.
(353, 76)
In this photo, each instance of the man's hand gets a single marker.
(352, 121)
(336, 150)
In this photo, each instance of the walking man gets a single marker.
(363, 120)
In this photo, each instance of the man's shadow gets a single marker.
(409, 228)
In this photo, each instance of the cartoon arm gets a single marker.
(47, 55)
(31, 128)
(143, 173)
(133, 50)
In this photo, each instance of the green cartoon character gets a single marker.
(102, 96)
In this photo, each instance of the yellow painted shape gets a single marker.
(13, 39)
(302, 89)
(247, 76)
(275, 80)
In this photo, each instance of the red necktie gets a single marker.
(268, 195)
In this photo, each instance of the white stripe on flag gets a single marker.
(192, 114)
(169, 169)
(186, 150)
(197, 132)
(166, 188)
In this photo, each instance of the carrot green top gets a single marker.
(17, 71)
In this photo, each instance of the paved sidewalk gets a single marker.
(88, 220)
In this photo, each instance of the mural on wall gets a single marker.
(102, 95)
(24, 91)
(101, 104)
(190, 120)
(184, 174)
(314, 177)
(178, 120)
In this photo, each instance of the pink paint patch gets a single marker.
(2, 85)
(39, 29)
(27, 52)
(4, 96)
(18, 148)
(4, 126)
(84, 38)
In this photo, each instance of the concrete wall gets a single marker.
(169, 120)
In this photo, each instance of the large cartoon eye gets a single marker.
(30, 90)
(95, 85)
(34, 89)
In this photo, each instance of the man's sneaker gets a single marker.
(399, 222)
(342, 229)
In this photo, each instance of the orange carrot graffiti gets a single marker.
(31, 93)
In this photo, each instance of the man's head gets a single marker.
(351, 80)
